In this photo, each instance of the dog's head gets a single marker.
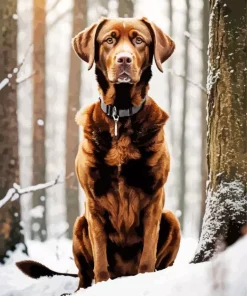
(123, 48)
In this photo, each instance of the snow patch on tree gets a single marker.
(228, 203)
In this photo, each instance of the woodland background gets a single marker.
(51, 84)
(43, 84)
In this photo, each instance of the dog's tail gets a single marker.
(36, 270)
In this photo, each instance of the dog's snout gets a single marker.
(124, 58)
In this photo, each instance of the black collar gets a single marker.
(112, 110)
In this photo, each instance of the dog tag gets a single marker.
(116, 128)
(116, 118)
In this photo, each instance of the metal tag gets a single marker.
(116, 118)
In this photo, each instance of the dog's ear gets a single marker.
(84, 42)
(163, 44)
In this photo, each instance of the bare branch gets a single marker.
(202, 88)
(53, 7)
(12, 76)
(192, 41)
(59, 18)
(19, 81)
(24, 58)
(58, 238)
(16, 192)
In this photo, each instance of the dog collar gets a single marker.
(115, 113)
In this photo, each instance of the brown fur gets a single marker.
(124, 230)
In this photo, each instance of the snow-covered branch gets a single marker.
(16, 191)
(12, 76)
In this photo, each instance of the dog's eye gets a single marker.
(109, 40)
(138, 40)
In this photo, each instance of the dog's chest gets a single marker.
(121, 165)
(123, 182)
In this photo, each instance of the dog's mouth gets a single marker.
(124, 77)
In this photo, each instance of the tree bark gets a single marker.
(125, 8)
(182, 187)
(205, 18)
(226, 208)
(39, 229)
(10, 214)
(72, 133)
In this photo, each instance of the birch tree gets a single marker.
(170, 77)
(182, 187)
(72, 132)
(205, 19)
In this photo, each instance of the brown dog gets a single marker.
(123, 161)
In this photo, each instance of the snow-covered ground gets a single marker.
(224, 276)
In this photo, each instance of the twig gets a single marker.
(59, 18)
(53, 7)
(15, 71)
(202, 88)
(19, 81)
(16, 192)
(192, 41)
(58, 238)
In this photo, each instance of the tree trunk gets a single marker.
(10, 214)
(226, 206)
(182, 187)
(72, 133)
(39, 230)
(205, 18)
(125, 8)
(170, 80)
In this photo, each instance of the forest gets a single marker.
(203, 88)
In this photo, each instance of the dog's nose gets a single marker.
(124, 58)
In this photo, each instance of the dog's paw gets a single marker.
(102, 276)
(143, 268)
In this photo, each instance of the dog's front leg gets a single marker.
(99, 247)
(151, 223)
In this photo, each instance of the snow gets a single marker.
(3, 83)
(57, 255)
(229, 200)
(37, 212)
(15, 192)
(224, 275)
(7, 197)
(40, 122)
(178, 213)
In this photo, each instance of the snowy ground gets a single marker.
(224, 276)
